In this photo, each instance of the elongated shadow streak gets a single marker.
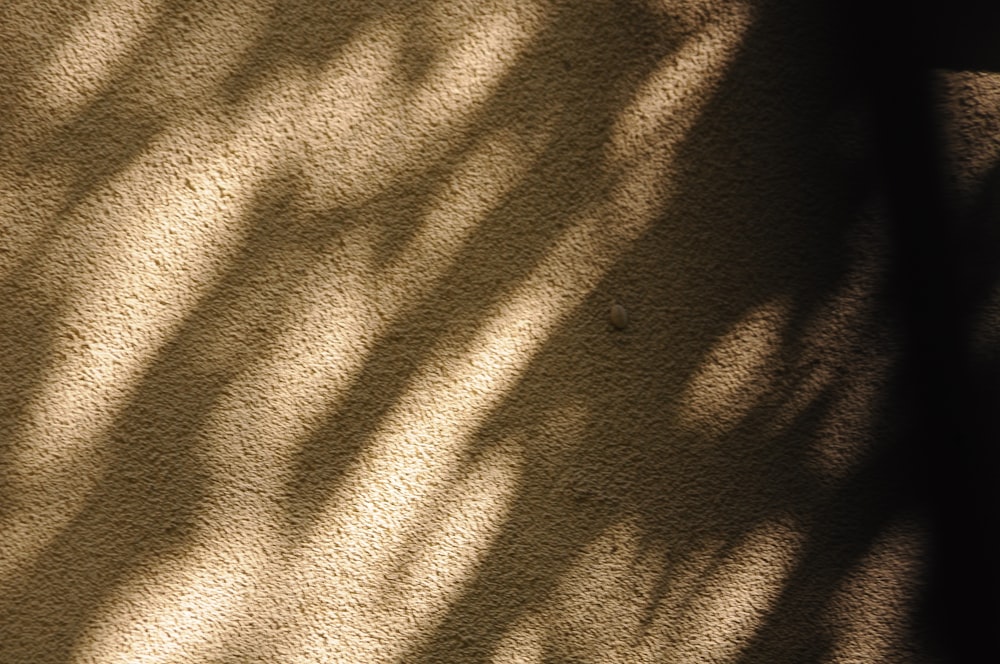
(501, 251)
(754, 222)
(147, 503)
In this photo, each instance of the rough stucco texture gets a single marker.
(971, 112)
(305, 349)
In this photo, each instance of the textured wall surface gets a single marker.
(970, 109)
(305, 350)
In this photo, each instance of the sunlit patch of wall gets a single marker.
(101, 90)
(151, 53)
(662, 109)
(739, 371)
(126, 287)
(849, 360)
(968, 104)
(98, 44)
(970, 114)
(601, 610)
(376, 127)
(872, 612)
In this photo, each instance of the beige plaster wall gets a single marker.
(970, 112)
(305, 352)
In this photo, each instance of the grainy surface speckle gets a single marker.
(298, 354)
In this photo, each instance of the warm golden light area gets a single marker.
(972, 137)
(305, 353)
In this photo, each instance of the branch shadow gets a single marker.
(755, 221)
(499, 253)
(707, 261)
(147, 505)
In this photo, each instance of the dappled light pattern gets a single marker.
(305, 353)
(736, 372)
(970, 106)
(711, 607)
(874, 598)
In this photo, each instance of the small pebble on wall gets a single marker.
(619, 317)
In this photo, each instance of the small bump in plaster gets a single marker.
(619, 317)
